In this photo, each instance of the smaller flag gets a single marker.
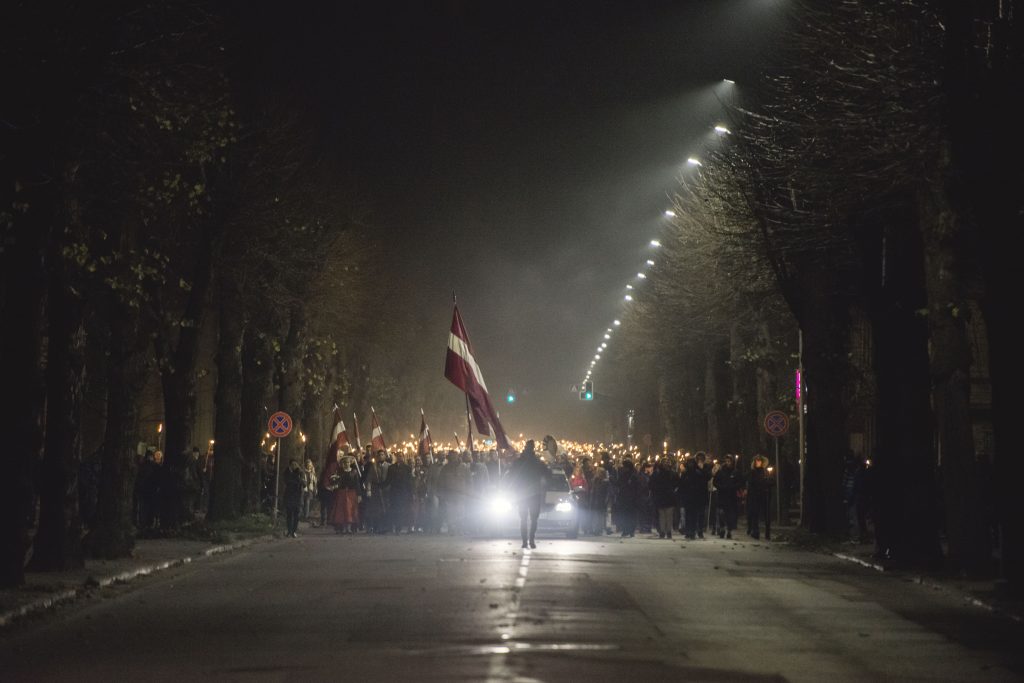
(426, 442)
(377, 435)
(339, 435)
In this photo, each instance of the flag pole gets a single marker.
(469, 428)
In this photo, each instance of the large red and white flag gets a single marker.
(377, 435)
(355, 426)
(339, 435)
(461, 369)
(426, 442)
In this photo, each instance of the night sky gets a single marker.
(521, 154)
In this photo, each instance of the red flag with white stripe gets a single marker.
(339, 435)
(426, 442)
(461, 369)
(377, 435)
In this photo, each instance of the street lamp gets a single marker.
(617, 323)
(628, 297)
(670, 213)
(722, 130)
(655, 243)
(693, 162)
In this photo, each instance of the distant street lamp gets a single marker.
(722, 130)
(670, 213)
(693, 162)
(655, 243)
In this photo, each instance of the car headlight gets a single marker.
(500, 505)
(563, 506)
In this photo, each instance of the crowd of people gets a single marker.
(380, 492)
(615, 490)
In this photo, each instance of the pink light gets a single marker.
(798, 385)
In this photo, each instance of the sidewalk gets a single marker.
(982, 593)
(45, 590)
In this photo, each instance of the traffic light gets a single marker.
(588, 391)
(510, 397)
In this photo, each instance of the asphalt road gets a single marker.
(326, 607)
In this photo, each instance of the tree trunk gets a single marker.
(58, 542)
(24, 295)
(113, 534)
(178, 387)
(904, 487)
(290, 371)
(226, 498)
(950, 358)
(827, 368)
(257, 372)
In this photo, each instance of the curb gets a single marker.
(49, 602)
(921, 581)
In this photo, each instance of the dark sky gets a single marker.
(520, 153)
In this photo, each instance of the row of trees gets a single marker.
(151, 189)
(864, 199)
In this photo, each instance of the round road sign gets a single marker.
(280, 424)
(776, 423)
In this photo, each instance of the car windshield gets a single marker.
(557, 481)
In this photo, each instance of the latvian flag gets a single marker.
(461, 370)
(377, 435)
(426, 443)
(339, 435)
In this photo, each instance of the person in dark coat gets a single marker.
(294, 483)
(727, 482)
(758, 493)
(663, 485)
(629, 492)
(695, 495)
(398, 483)
(528, 478)
(598, 502)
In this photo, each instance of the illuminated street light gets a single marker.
(722, 130)
(607, 336)
(729, 81)
(604, 345)
(629, 286)
(650, 262)
(597, 357)
(655, 243)
(628, 297)
(641, 276)
(617, 323)
(670, 213)
(693, 162)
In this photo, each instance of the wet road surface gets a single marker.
(422, 608)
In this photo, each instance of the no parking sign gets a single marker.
(776, 423)
(280, 424)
